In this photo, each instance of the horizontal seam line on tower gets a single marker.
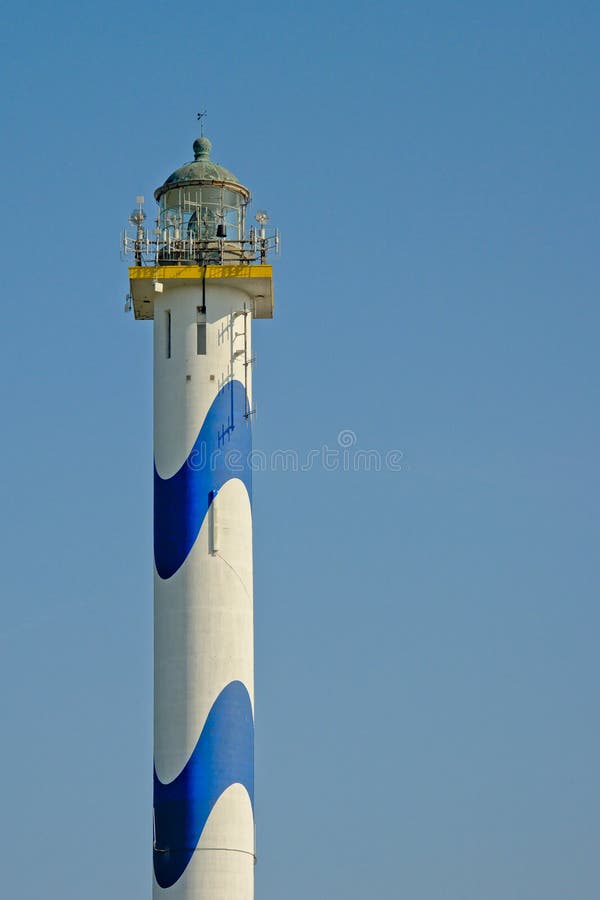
(204, 849)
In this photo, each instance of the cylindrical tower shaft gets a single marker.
(203, 794)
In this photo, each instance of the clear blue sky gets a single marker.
(426, 640)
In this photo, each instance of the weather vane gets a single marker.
(201, 118)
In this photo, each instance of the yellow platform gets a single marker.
(255, 280)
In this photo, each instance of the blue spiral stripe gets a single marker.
(219, 454)
(224, 755)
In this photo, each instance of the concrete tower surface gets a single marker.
(202, 277)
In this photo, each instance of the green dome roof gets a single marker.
(201, 170)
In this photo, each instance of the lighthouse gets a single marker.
(199, 272)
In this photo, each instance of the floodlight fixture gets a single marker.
(137, 217)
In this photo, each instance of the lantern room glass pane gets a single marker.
(197, 211)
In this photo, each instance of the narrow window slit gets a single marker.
(200, 332)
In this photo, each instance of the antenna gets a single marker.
(201, 118)
(137, 218)
(262, 217)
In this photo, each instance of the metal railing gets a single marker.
(147, 249)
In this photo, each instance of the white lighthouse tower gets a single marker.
(202, 277)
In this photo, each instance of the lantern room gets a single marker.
(202, 211)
